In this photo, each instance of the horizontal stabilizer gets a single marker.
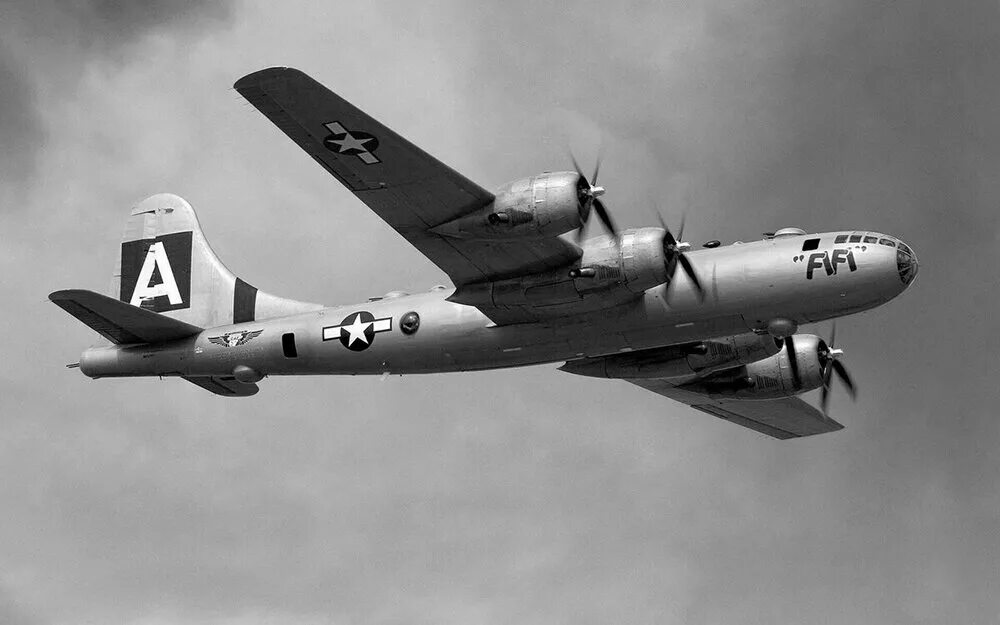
(226, 386)
(120, 322)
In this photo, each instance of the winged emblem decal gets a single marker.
(235, 339)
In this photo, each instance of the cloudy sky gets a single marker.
(525, 496)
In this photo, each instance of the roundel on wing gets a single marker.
(353, 142)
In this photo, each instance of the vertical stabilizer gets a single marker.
(167, 266)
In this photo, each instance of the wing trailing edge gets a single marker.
(788, 417)
(226, 386)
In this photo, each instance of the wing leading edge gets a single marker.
(405, 186)
(785, 418)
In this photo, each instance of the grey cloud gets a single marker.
(11, 613)
(20, 129)
(91, 27)
(49, 43)
(529, 496)
(836, 107)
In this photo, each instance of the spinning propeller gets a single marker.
(588, 194)
(828, 360)
(673, 254)
(829, 364)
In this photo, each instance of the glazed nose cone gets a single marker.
(906, 264)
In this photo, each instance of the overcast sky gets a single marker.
(525, 496)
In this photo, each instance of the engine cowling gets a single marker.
(769, 378)
(541, 206)
(608, 273)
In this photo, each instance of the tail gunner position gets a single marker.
(714, 328)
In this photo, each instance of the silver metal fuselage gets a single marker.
(747, 285)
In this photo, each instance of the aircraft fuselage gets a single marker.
(747, 286)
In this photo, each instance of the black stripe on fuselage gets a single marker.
(244, 302)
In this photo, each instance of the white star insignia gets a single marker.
(357, 330)
(349, 142)
(354, 328)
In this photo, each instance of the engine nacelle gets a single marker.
(606, 274)
(679, 360)
(769, 378)
(542, 206)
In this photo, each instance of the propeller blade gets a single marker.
(602, 214)
(845, 378)
(659, 216)
(680, 231)
(673, 256)
(576, 166)
(587, 194)
(827, 373)
(689, 270)
(833, 335)
(668, 237)
(793, 361)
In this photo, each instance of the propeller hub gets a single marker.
(673, 255)
(588, 194)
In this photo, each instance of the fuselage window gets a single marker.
(810, 244)
(855, 238)
(288, 345)
(887, 242)
(841, 238)
(871, 239)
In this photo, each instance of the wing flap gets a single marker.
(119, 322)
(227, 386)
(789, 417)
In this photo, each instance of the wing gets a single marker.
(226, 386)
(408, 188)
(781, 418)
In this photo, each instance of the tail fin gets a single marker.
(167, 266)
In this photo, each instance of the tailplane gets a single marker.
(117, 321)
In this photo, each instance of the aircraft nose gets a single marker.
(906, 264)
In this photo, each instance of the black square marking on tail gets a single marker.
(244, 302)
(176, 249)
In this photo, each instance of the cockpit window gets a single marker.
(841, 238)
(871, 239)
(903, 247)
(886, 242)
(810, 244)
(855, 238)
